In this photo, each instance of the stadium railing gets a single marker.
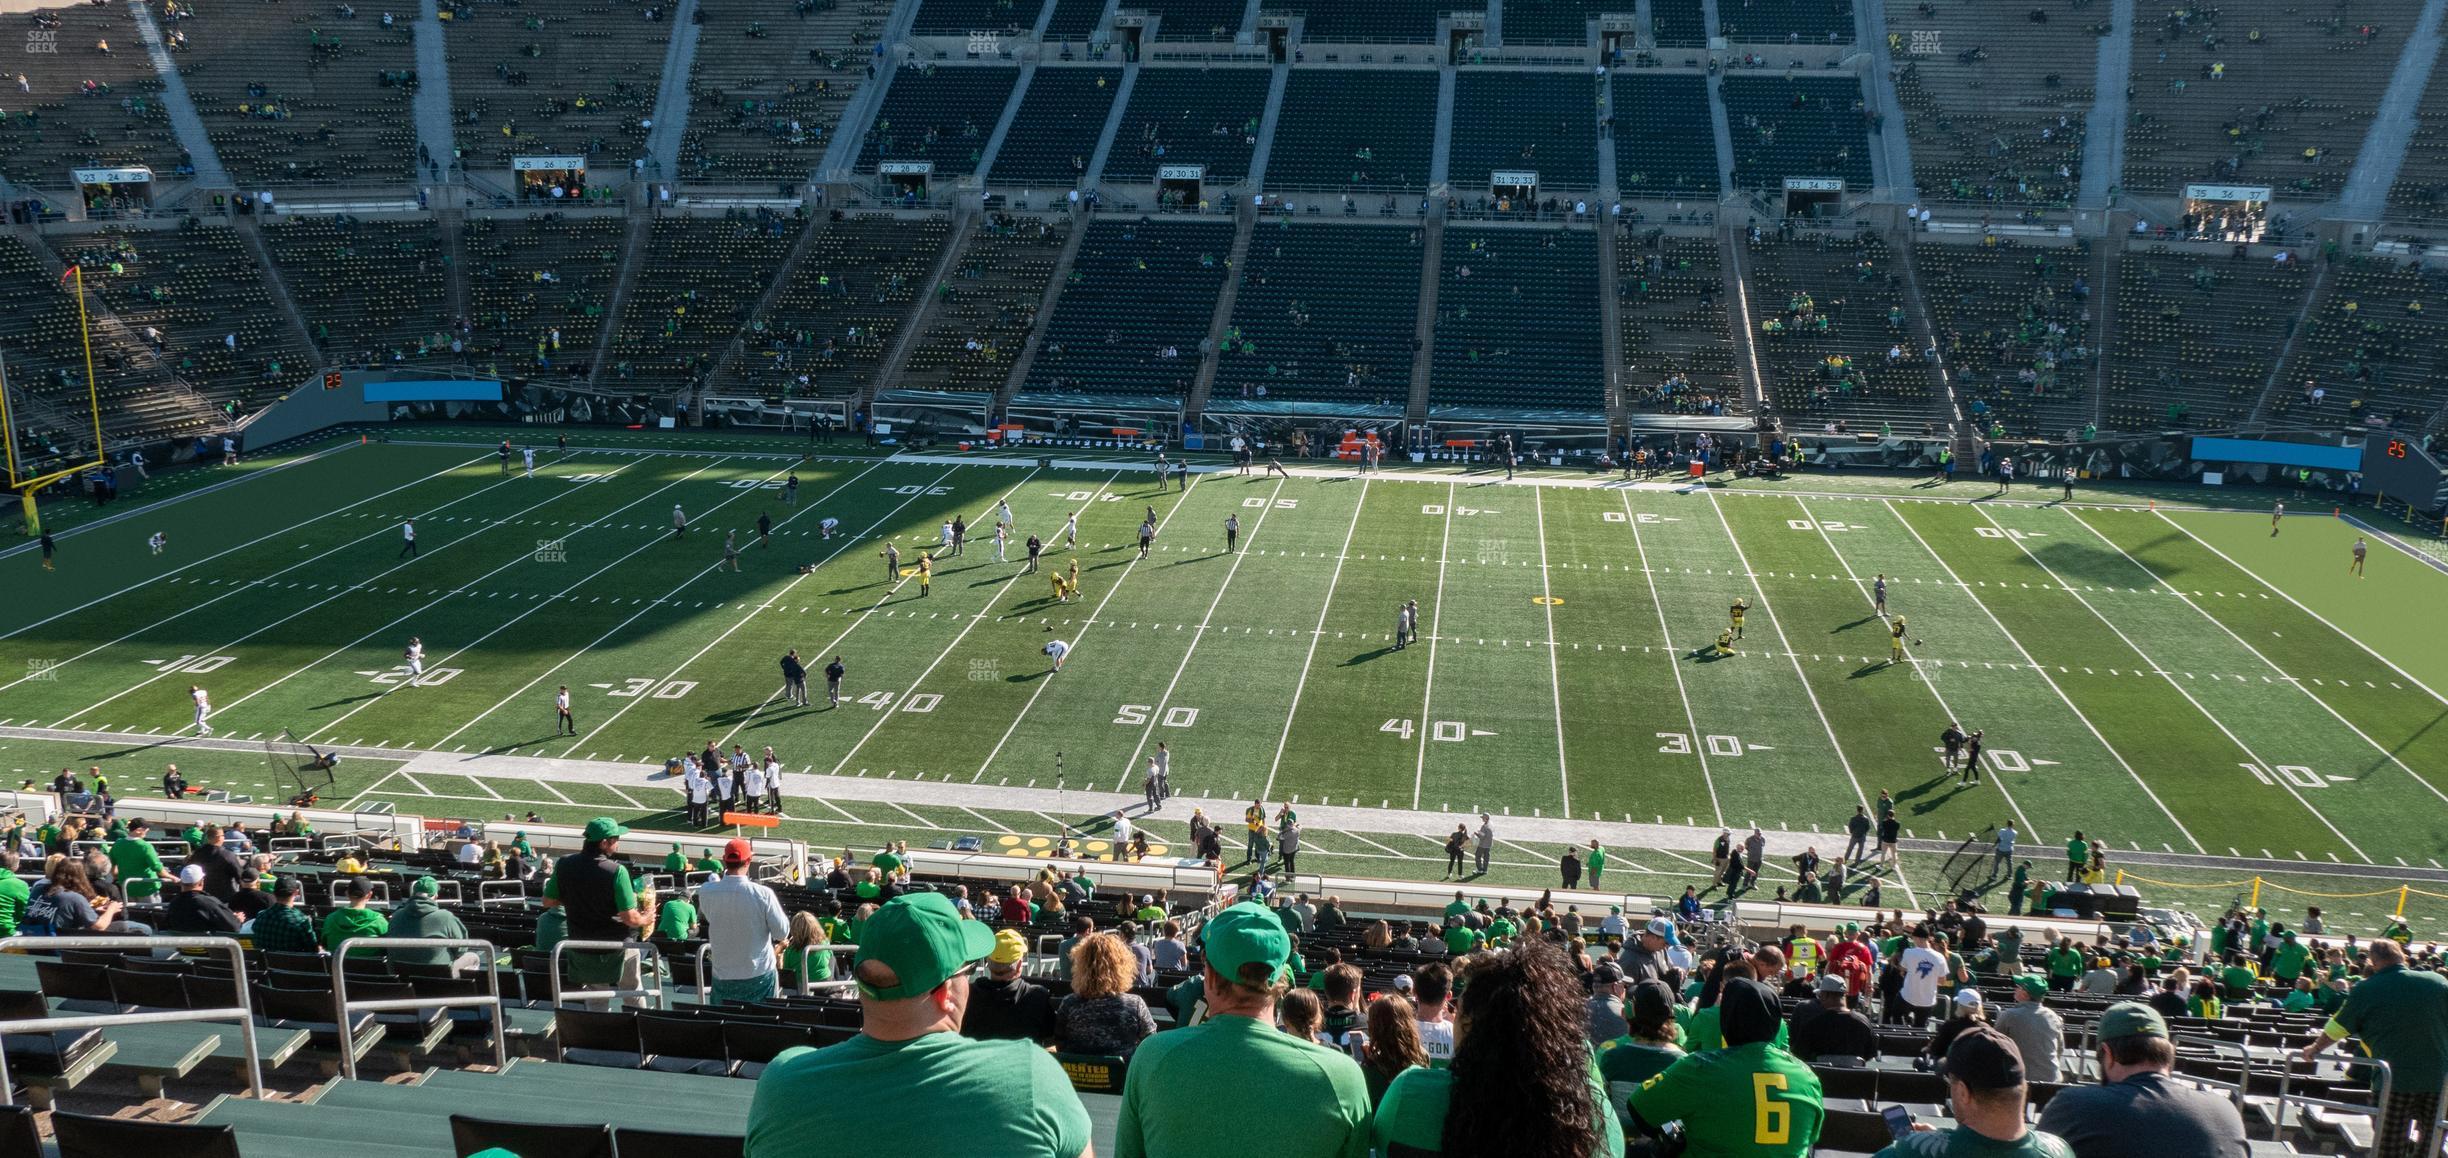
(705, 975)
(243, 1013)
(490, 1000)
(650, 980)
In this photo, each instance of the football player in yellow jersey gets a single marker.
(1895, 640)
(1736, 612)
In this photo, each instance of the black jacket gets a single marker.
(1017, 1009)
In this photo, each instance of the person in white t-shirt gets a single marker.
(563, 722)
(1431, 990)
(529, 454)
(415, 657)
(1924, 968)
(1057, 650)
(203, 709)
(753, 784)
(159, 542)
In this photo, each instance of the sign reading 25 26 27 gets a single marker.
(43, 40)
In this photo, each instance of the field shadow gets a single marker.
(1028, 677)
(138, 750)
(515, 745)
(1870, 669)
(346, 700)
(1867, 619)
(1366, 656)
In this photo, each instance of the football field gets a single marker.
(2171, 680)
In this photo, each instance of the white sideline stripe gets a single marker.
(549, 600)
(1436, 619)
(1181, 499)
(859, 618)
(241, 586)
(1761, 589)
(2282, 594)
(2036, 666)
(1315, 635)
(2221, 725)
(1674, 661)
(2299, 686)
(643, 608)
(1555, 682)
(963, 633)
(341, 591)
(1165, 701)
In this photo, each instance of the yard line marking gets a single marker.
(375, 789)
(633, 803)
(2298, 684)
(2119, 757)
(1778, 626)
(344, 591)
(546, 785)
(1180, 500)
(470, 645)
(861, 617)
(1165, 701)
(1374, 844)
(1314, 636)
(1436, 617)
(913, 816)
(1555, 682)
(649, 605)
(249, 543)
(2170, 677)
(997, 825)
(1674, 662)
(483, 787)
(2282, 594)
(838, 808)
(236, 586)
(413, 782)
(983, 614)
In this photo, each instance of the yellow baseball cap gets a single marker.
(1009, 948)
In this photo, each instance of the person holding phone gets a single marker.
(1985, 1087)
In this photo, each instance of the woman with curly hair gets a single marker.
(805, 953)
(1102, 1016)
(1522, 1084)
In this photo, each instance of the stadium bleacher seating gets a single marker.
(1324, 312)
(1139, 301)
(834, 318)
(1074, 19)
(1786, 21)
(1664, 145)
(1678, 23)
(576, 79)
(2373, 349)
(1355, 129)
(2256, 93)
(1007, 19)
(938, 113)
(2420, 192)
(1829, 326)
(767, 94)
(197, 287)
(1395, 21)
(83, 107)
(1798, 126)
(1541, 122)
(987, 307)
(1552, 21)
(38, 336)
(2195, 336)
(2013, 325)
(710, 274)
(529, 276)
(1995, 116)
(1055, 132)
(372, 291)
(1517, 320)
(1678, 355)
(1194, 19)
(290, 91)
(1190, 116)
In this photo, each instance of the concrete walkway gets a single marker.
(2384, 147)
(183, 118)
(432, 105)
(672, 99)
(2104, 128)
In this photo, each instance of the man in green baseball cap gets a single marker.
(421, 915)
(1317, 1102)
(909, 1083)
(2136, 1108)
(2037, 1031)
(595, 894)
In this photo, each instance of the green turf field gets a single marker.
(2173, 681)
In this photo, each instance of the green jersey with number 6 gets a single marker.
(1752, 1101)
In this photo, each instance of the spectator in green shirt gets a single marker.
(1460, 938)
(353, 919)
(2288, 962)
(2239, 977)
(2065, 966)
(909, 1083)
(2401, 1017)
(706, 862)
(675, 863)
(1316, 1099)
(1522, 1086)
(675, 919)
(137, 864)
(422, 915)
(2078, 855)
(1596, 865)
(13, 893)
(1751, 1099)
